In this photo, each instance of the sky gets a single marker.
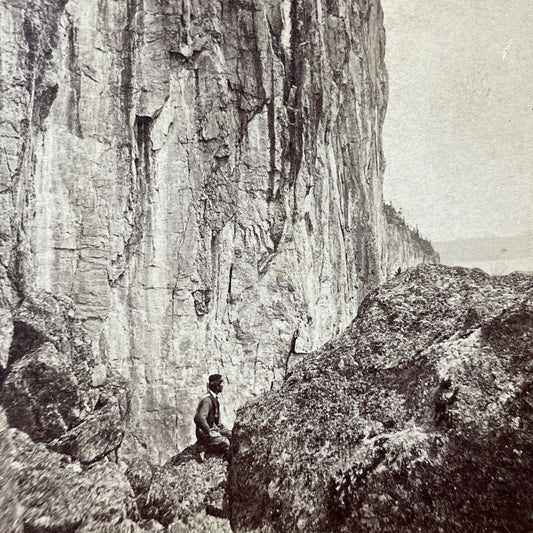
(458, 134)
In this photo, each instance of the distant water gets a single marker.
(495, 255)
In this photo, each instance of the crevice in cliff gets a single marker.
(277, 174)
(73, 111)
(40, 33)
(142, 159)
(31, 35)
(292, 350)
(128, 53)
(292, 353)
(264, 263)
(196, 83)
(293, 93)
(230, 280)
(138, 202)
(243, 5)
(201, 298)
(272, 140)
(248, 105)
(43, 102)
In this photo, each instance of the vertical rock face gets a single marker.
(405, 246)
(202, 179)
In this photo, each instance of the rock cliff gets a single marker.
(202, 179)
(418, 418)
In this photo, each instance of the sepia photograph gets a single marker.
(266, 266)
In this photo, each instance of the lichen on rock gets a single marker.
(47, 491)
(180, 493)
(417, 418)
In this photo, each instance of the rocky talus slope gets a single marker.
(202, 179)
(418, 418)
(43, 491)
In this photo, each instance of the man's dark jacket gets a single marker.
(207, 417)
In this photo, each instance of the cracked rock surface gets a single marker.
(419, 417)
(202, 179)
(47, 388)
(47, 491)
(184, 494)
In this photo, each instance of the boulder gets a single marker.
(41, 394)
(46, 382)
(46, 318)
(418, 418)
(44, 491)
(181, 491)
(52, 388)
(96, 437)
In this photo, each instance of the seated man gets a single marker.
(212, 436)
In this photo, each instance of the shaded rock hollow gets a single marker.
(52, 388)
(202, 179)
(418, 418)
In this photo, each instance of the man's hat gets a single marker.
(215, 379)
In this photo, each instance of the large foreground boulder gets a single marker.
(418, 418)
(44, 491)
